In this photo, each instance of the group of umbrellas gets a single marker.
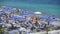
(25, 13)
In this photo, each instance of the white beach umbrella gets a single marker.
(37, 12)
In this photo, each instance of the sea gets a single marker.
(48, 9)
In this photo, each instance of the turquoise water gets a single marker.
(48, 9)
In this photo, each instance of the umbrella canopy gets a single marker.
(18, 18)
(7, 9)
(50, 19)
(24, 13)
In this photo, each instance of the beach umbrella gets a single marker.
(24, 13)
(8, 9)
(48, 19)
(21, 19)
(53, 19)
(42, 18)
(13, 17)
(18, 18)
(3, 13)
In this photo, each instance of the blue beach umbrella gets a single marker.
(42, 18)
(24, 13)
(8, 9)
(53, 19)
(13, 17)
(21, 18)
(18, 18)
(3, 13)
(50, 20)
